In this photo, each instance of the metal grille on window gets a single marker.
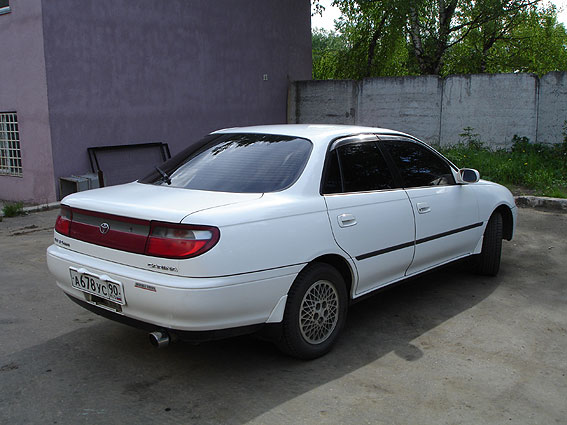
(10, 154)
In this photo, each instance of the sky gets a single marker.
(331, 13)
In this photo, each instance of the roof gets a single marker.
(311, 131)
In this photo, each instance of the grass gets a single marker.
(540, 168)
(13, 209)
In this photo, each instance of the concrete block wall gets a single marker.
(325, 102)
(408, 104)
(495, 106)
(552, 114)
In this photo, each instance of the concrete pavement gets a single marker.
(447, 348)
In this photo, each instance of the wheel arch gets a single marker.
(316, 315)
(342, 266)
(507, 221)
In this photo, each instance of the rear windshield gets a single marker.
(243, 163)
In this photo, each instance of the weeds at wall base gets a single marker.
(13, 209)
(540, 168)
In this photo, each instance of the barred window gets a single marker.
(10, 154)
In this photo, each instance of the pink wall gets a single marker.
(23, 89)
(139, 71)
(107, 72)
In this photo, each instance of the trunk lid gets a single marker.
(148, 202)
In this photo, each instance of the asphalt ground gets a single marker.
(447, 348)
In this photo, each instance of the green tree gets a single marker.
(530, 40)
(401, 37)
(375, 38)
(327, 48)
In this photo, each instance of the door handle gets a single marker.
(346, 220)
(423, 207)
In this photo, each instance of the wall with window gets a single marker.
(10, 149)
(26, 171)
(123, 72)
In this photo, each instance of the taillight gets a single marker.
(154, 238)
(63, 222)
(180, 240)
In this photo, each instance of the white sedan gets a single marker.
(276, 227)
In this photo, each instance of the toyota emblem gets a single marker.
(104, 228)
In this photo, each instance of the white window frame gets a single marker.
(10, 150)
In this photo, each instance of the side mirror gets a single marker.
(468, 175)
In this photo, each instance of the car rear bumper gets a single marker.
(188, 336)
(180, 303)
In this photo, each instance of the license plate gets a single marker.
(106, 288)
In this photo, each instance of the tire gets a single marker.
(488, 261)
(315, 312)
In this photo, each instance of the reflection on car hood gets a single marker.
(150, 202)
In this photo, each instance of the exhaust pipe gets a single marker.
(159, 339)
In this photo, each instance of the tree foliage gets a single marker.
(409, 37)
(328, 49)
(528, 41)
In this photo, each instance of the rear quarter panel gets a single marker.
(275, 231)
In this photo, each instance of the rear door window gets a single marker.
(357, 167)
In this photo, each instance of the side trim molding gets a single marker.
(419, 241)
(384, 251)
